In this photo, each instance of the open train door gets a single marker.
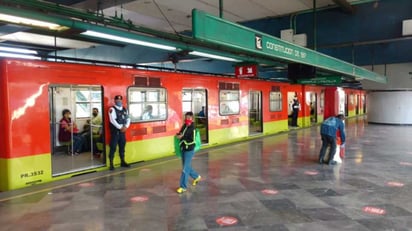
(195, 100)
(255, 113)
(79, 150)
(313, 107)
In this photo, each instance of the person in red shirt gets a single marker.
(68, 133)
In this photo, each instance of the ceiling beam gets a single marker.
(345, 5)
(98, 5)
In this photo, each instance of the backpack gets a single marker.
(197, 140)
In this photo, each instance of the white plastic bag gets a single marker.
(336, 157)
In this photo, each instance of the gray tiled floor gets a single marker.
(300, 194)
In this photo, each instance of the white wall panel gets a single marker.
(390, 107)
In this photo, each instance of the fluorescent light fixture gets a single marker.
(46, 40)
(128, 40)
(27, 21)
(207, 55)
(21, 56)
(18, 50)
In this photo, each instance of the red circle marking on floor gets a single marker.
(270, 191)
(226, 221)
(405, 163)
(86, 184)
(139, 199)
(394, 184)
(373, 210)
(311, 173)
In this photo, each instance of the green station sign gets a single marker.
(218, 31)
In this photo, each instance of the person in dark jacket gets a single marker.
(119, 122)
(187, 145)
(295, 112)
(328, 131)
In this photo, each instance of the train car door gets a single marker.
(363, 104)
(195, 100)
(313, 107)
(76, 145)
(255, 112)
(345, 103)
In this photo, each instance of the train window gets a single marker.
(275, 101)
(187, 100)
(147, 104)
(85, 100)
(229, 102)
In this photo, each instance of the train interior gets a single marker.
(255, 113)
(195, 100)
(80, 100)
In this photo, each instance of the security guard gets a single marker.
(119, 122)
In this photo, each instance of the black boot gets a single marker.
(124, 164)
(111, 166)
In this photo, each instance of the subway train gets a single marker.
(35, 94)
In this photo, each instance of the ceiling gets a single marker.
(170, 16)
(165, 16)
(175, 15)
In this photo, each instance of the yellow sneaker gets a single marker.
(181, 190)
(195, 181)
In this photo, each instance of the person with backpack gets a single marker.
(187, 136)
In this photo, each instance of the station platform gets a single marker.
(270, 183)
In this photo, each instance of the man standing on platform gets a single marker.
(119, 122)
(328, 131)
(295, 112)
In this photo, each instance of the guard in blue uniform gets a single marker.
(119, 122)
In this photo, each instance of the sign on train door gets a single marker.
(255, 112)
(195, 100)
(76, 124)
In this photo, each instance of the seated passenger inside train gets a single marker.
(68, 133)
(147, 114)
(93, 130)
(201, 116)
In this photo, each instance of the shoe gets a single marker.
(332, 162)
(125, 165)
(321, 161)
(180, 190)
(111, 167)
(195, 181)
(76, 153)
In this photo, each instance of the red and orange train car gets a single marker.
(35, 93)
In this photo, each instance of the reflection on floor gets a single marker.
(271, 183)
(64, 163)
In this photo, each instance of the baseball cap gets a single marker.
(118, 97)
